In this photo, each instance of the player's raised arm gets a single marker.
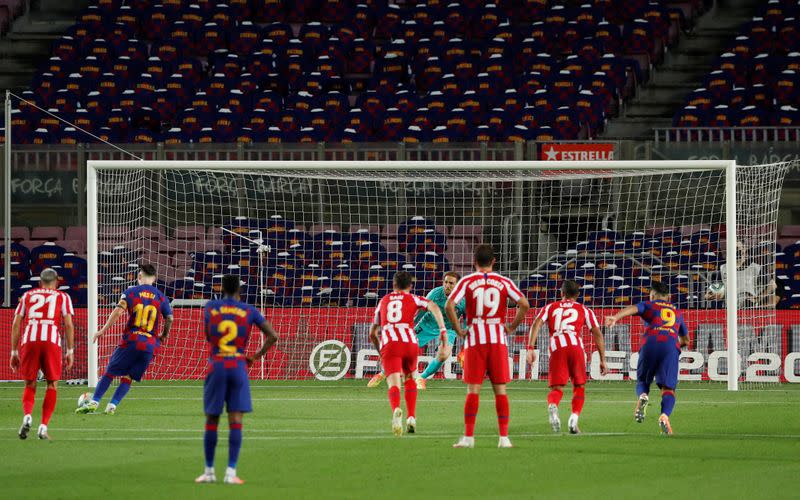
(16, 326)
(122, 305)
(450, 310)
(533, 335)
(375, 329)
(270, 339)
(168, 320)
(683, 333)
(522, 309)
(437, 315)
(597, 335)
(628, 311)
(69, 332)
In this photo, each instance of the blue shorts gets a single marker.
(425, 337)
(129, 361)
(227, 384)
(658, 360)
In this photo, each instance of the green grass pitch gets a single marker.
(333, 440)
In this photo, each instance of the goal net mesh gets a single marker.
(316, 249)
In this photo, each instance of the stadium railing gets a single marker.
(731, 134)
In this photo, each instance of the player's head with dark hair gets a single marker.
(449, 281)
(570, 289)
(48, 278)
(147, 274)
(403, 281)
(484, 256)
(231, 285)
(659, 289)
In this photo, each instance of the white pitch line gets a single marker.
(389, 436)
(435, 401)
(513, 387)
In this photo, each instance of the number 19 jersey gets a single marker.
(487, 297)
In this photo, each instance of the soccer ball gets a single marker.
(717, 290)
(84, 398)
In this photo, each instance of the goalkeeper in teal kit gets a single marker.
(427, 330)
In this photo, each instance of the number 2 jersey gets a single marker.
(565, 320)
(487, 297)
(146, 306)
(227, 324)
(395, 313)
(663, 322)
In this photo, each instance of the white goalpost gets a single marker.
(315, 244)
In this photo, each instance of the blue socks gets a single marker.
(642, 388)
(210, 443)
(102, 386)
(234, 444)
(122, 390)
(432, 368)
(667, 402)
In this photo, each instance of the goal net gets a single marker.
(316, 245)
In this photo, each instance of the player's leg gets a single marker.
(410, 387)
(48, 407)
(238, 402)
(644, 377)
(214, 389)
(557, 378)
(28, 400)
(29, 363)
(577, 372)
(118, 365)
(394, 380)
(474, 372)
(50, 363)
(136, 372)
(667, 380)
(121, 391)
(500, 375)
(433, 365)
(234, 446)
(436, 364)
(209, 448)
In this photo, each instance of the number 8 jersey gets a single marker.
(487, 297)
(395, 313)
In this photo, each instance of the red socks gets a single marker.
(577, 399)
(470, 414)
(411, 397)
(28, 396)
(48, 405)
(501, 405)
(554, 397)
(394, 397)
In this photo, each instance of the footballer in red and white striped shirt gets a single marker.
(565, 321)
(485, 342)
(36, 345)
(393, 334)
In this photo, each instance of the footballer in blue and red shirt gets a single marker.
(227, 328)
(146, 306)
(664, 336)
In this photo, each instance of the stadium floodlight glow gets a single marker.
(539, 216)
